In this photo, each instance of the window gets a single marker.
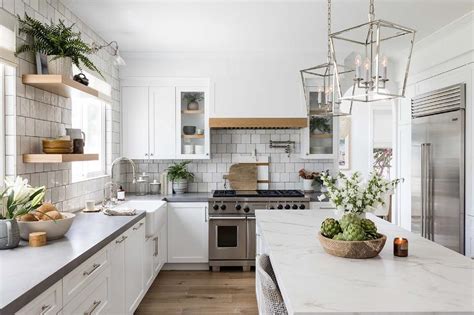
(89, 116)
(2, 125)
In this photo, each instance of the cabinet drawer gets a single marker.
(48, 303)
(95, 297)
(75, 281)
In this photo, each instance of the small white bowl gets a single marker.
(54, 229)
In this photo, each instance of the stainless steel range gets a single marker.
(232, 222)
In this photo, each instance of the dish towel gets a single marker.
(127, 212)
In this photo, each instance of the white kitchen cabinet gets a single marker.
(162, 251)
(48, 303)
(151, 248)
(134, 247)
(320, 144)
(117, 269)
(154, 110)
(187, 233)
(196, 145)
(135, 118)
(94, 299)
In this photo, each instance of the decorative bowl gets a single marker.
(353, 249)
(54, 229)
(189, 130)
(52, 146)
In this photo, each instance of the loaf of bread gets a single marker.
(43, 209)
(51, 215)
(28, 217)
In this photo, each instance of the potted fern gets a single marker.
(320, 125)
(179, 175)
(193, 99)
(62, 46)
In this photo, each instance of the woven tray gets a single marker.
(353, 249)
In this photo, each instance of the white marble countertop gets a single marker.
(431, 280)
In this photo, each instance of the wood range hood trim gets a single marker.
(258, 123)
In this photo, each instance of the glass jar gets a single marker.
(155, 187)
(141, 186)
(146, 178)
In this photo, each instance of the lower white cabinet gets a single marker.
(48, 303)
(188, 232)
(94, 299)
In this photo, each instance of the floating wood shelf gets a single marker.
(61, 85)
(192, 112)
(58, 158)
(193, 136)
(322, 136)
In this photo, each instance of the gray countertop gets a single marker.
(25, 272)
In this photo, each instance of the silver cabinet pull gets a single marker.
(137, 227)
(94, 267)
(92, 308)
(156, 246)
(121, 240)
(45, 309)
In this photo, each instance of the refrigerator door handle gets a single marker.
(423, 189)
(427, 222)
(429, 187)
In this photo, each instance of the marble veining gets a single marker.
(432, 280)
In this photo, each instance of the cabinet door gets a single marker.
(162, 122)
(162, 250)
(148, 261)
(117, 269)
(135, 122)
(187, 233)
(48, 303)
(321, 139)
(192, 123)
(134, 247)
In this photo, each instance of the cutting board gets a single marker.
(243, 176)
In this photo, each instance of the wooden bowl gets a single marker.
(353, 249)
(52, 146)
(54, 229)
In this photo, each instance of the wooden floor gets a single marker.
(201, 292)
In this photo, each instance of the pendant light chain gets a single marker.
(371, 10)
(329, 31)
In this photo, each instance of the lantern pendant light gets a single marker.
(366, 44)
(318, 85)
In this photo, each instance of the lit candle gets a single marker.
(400, 247)
(358, 63)
(384, 67)
(366, 68)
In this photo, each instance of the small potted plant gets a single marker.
(320, 125)
(192, 99)
(17, 199)
(354, 235)
(309, 179)
(62, 46)
(179, 175)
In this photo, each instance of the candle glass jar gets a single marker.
(141, 186)
(155, 187)
(400, 247)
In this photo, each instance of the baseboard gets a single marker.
(186, 266)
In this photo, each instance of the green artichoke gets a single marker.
(349, 218)
(330, 227)
(354, 232)
(368, 225)
(339, 237)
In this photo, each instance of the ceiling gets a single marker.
(289, 26)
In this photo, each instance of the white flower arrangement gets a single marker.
(19, 198)
(349, 194)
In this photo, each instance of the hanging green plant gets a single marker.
(56, 40)
(320, 123)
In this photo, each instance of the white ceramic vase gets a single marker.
(61, 65)
(180, 186)
(308, 184)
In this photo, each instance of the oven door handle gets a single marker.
(227, 218)
(251, 218)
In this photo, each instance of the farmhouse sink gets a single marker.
(155, 212)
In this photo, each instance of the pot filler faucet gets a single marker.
(110, 199)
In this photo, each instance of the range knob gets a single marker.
(215, 207)
(238, 207)
(246, 209)
(287, 206)
(294, 206)
(280, 207)
(272, 207)
(302, 206)
(223, 207)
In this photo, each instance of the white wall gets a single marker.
(245, 85)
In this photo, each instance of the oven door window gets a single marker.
(227, 236)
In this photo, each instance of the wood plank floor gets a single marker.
(201, 292)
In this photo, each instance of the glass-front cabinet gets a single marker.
(193, 122)
(320, 138)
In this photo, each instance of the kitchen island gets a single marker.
(432, 279)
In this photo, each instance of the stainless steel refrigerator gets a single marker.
(438, 185)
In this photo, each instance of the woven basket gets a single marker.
(353, 249)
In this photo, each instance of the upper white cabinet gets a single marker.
(135, 122)
(187, 233)
(320, 140)
(192, 122)
(155, 114)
